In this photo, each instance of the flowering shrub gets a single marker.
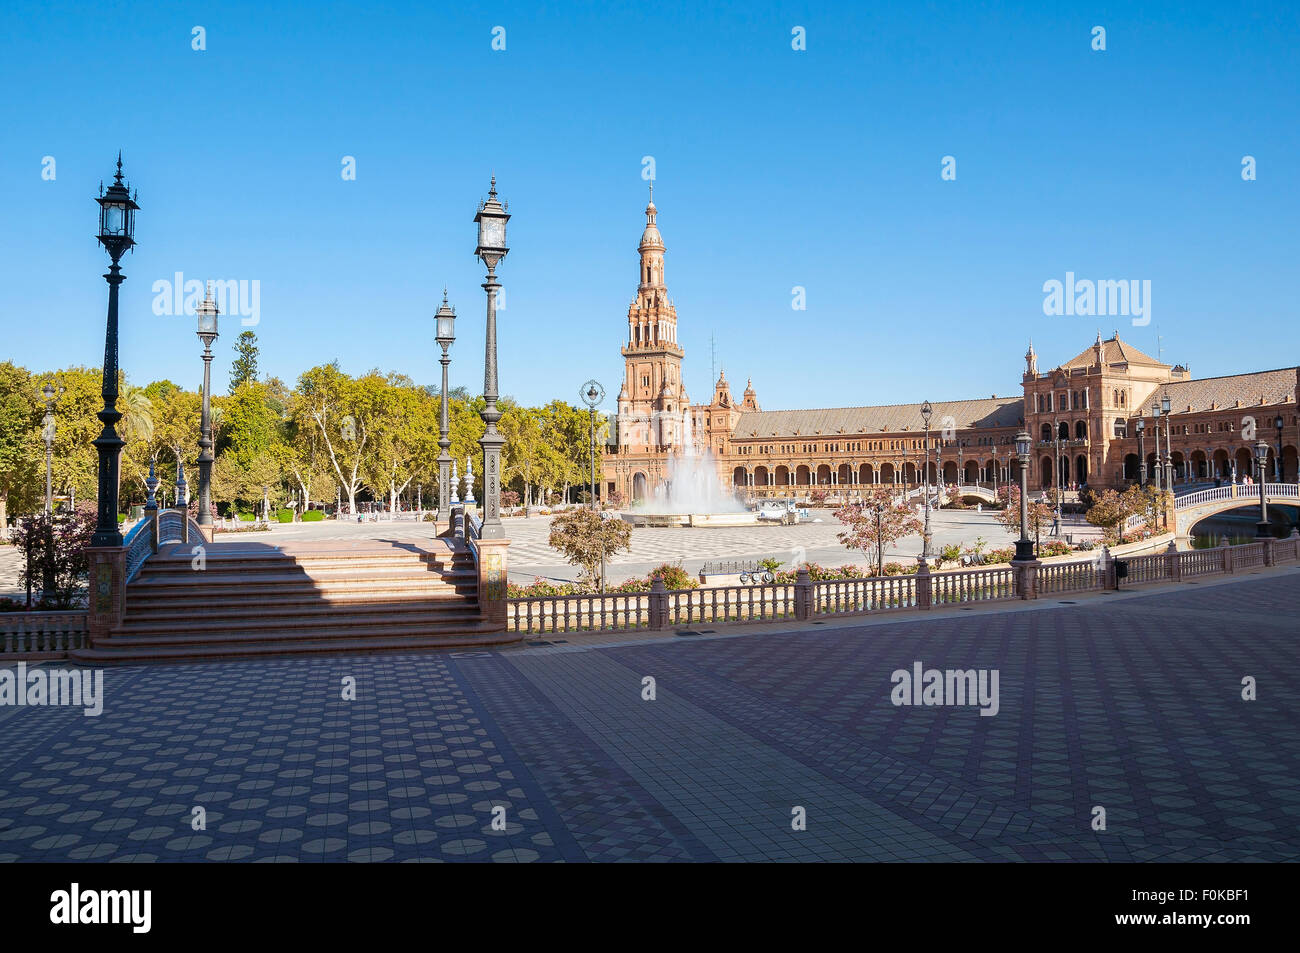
(541, 587)
(996, 557)
(58, 565)
(1054, 548)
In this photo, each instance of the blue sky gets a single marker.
(775, 168)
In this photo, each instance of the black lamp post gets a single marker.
(445, 335)
(207, 331)
(1142, 452)
(116, 233)
(926, 411)
(1024, 545)
(1261, 463)
(1277, 462)
(491, 218)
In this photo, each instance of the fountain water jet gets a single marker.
(692, 495)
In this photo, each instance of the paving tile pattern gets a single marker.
(1133, 705)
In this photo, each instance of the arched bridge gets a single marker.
(1191, 508)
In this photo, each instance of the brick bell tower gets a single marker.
(653, 399)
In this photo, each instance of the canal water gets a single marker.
(1239, 525)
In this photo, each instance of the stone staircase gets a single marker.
(257, 601)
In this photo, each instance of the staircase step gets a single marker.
(216, 630)
(304, 606)
(478, 636)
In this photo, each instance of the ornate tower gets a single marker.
(653, 400)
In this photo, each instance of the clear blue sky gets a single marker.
(775, 168)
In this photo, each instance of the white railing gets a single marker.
(1237, 491)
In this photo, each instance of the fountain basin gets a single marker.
(703, 520)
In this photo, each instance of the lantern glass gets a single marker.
(1278, 423)
(1164, 405)
(446, 328)
(1141, 425)
(1155, 410)
(491, 231)
(208, 321)
(1022, 444)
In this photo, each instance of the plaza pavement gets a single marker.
(1129, 701)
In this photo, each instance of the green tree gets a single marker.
(876, 521)
(584, 538)
(244, 369)
(18, 439)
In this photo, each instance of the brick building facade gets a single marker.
(1082, 415)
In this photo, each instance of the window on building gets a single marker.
(1121, 427)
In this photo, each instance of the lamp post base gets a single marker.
(1024, 550)
(1263, 530)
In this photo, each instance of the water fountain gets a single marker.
(692, 495)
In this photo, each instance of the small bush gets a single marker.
(284, 516)
(674, 576)
(313, 516)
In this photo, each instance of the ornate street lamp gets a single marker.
(926, 411)
(445, 335)
(1261, 461)
(1277, 462)
(592, 394)
(1169, 445)
(1024, 545)
(491, 218)
(1159, 468)
(207, 332)
(117, 210)
(182, 501)
(49, 393)
(1142, 452)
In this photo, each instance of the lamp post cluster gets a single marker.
(117, 235)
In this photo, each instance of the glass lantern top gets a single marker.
(446, 322)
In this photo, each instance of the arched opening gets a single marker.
(886, 473)
(866, 474)
(782, 475)
(1063, 430)
(1131, 471)
(1081, 469)
(761, 477)
(1180, 465)
(739, 478)
(972, 471)
(949, 471)
(1200, 467)
(845, 475)
(1244, 466)
(824, 475)
(1222, 466)
(638, 487)
(1289, 464)
(909, 474)
(802, 476)
(1081, 430)
(1045, 472)
(1045, 432)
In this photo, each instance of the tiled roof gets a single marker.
(1275, 387)
(890, 418)
(1113, 351)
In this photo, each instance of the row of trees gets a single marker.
(371, 436)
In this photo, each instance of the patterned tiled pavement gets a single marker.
(1132, 704)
